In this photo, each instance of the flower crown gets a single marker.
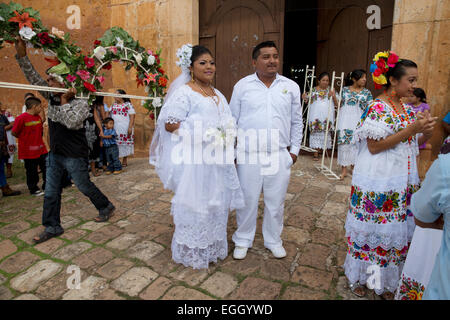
(382, 61)
(184, 54)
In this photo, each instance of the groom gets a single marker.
(268, 104)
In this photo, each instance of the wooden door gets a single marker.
(344, 42)
(232, 28)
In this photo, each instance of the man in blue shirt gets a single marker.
(431, 207)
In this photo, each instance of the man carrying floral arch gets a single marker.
(69, 148)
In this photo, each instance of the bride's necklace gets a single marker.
(214, 97)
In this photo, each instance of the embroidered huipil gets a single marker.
(275, 108)
(380, 225)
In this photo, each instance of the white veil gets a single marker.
(162, 143)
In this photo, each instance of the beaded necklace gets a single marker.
(403, 117)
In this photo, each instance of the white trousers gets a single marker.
(274, 186)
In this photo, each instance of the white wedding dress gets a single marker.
(204, 193)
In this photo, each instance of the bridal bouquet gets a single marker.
(224, 135)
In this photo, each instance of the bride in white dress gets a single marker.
(193, 153)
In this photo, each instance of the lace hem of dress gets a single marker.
(199, 258)
(357, 271)
(317, 139)
(347, 154)
(387, 236)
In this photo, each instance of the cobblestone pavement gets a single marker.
(129, 256)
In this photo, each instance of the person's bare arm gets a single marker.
(438, 224)
(97, 120)
(131, 125)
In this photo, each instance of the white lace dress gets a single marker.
(380, 225)
(204, 193)
(318, 115)
(353, 105)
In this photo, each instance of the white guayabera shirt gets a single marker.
(278, 107)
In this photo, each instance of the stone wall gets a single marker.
(421, 32)
(165, 24)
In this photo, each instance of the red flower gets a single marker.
(152, 116)
(89, 86)
(162, 82)
(24, 20)
(392, 60)
(381, 251)
(44, 38)
(387, 206)
(139, 81)
(378, 86)
(89, 62)
(377, 72)
(97, 43)
(353, 191)
(160, 70)
(381, 64)
(107, 66)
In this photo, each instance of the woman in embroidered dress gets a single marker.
(355, 99)
(197, 121)
(123, 114)
(379, 224)
(11, 139)
(319, 111)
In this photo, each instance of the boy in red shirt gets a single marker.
(28, 129)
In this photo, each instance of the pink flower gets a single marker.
(113, 50)
(101, 79)
(84, 75)
(150, 77)
(150, 52)
(71, 78)
(379, 108)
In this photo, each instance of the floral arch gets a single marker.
(83, 71)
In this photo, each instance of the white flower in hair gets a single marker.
(26, 33)
(184, 54)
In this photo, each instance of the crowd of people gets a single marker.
(108, 131)
(379, 136)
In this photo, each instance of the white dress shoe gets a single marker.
(278, 252)
(240, 253)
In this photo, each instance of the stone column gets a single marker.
(156, 24)
(421, 32)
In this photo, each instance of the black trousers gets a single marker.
(31, 167)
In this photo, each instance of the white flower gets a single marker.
(138, 58)
(184, 54)
(1, 18)
(119, 43)
(99, 52)
(58, 33)
(151, 60)
(27, 33)
(157, 102)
